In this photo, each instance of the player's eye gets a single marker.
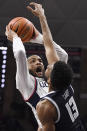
(40, 61)
(33, 60)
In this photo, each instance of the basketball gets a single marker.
(23, 27)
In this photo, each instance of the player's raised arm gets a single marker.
(47, 37)
(52, 49)
(23, 77)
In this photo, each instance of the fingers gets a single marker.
(9, 38)
(29, 8)
(32, 10)
(10, 33)
(35, 4)
(36, 9)
(7, 33)
(7, 30)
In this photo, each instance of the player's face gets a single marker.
(35, 66)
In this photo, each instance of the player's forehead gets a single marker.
(36, 57)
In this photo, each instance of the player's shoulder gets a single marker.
(42, 104)
(45, 110)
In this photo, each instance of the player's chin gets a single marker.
(39, 74)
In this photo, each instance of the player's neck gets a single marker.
(50, 89)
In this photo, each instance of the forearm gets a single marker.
(47, 36)
(51, 53)
(49, 43)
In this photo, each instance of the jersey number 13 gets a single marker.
(72, 109)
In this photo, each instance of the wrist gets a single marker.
(15, 36)
(42, 16)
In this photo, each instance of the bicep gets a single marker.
(45, 116)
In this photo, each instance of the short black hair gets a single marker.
(61, 76)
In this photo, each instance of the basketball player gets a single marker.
(57, 111)
(29, 75)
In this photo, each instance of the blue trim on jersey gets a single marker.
(33, 100)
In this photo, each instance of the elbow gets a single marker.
(66, 57)
(19, 54)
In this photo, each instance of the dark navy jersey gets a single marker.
(68, 115)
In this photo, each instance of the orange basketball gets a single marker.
(23, 27)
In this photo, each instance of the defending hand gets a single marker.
(38, 10)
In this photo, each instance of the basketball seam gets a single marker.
(27, 36)
(22, 28)
(20, 31)
(16, 22)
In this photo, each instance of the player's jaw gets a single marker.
(39, 71)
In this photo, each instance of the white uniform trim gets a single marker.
(58, 111)
(35, 114)
(72, 88)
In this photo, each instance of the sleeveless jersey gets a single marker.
(68, 115)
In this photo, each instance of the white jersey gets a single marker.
(42, 87)
(25, 82)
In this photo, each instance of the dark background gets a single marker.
(67, 20)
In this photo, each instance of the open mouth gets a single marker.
(39, 71)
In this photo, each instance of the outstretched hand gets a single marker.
(10, 34)
(37, 11)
